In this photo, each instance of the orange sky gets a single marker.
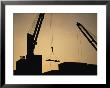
(69, 43)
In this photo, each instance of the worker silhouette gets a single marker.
(52, 49)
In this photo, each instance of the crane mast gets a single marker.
(87, 35)
(32, 38)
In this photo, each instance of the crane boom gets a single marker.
(32, 38)
(38, 26)
(87, 35)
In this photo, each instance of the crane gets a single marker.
(91, 40)
(32, 38)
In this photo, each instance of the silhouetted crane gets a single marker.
(87, 35)
(32, 64)
(32, 38)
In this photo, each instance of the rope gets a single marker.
(51, 29)
(51, 45)
(52, 34)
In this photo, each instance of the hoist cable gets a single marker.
(51, 16)
(51, 29)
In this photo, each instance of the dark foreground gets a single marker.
(66, 68)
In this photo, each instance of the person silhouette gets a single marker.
(52, 49)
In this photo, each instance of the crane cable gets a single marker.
(51, 43)
(52, 37)
(52, 33)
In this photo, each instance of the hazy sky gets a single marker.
(68, 42)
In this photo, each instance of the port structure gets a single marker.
(31, 64)
(87, 35)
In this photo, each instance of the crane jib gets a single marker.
(38, 26)
(86, 34)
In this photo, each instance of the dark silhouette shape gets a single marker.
(32, 64)
(56, 61)
(32, 39)
(74, 68)
(86, 34)
(49, 60)
(52, 60)
(52, 49)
